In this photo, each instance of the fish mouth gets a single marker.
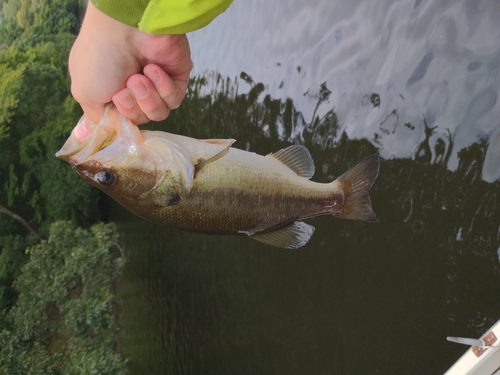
(76, 153)
(77, 149)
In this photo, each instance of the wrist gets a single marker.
(99, 25)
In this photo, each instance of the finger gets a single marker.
(147, 97)
(126, 104)
(171, 91)
(93, 112)
(82, 130)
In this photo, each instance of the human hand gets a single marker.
(144, 75)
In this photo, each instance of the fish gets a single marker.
(208, 186)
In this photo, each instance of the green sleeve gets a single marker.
(163, 16)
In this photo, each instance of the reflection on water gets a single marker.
(415, 80)
(432, 61)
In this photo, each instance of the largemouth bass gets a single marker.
(207, 186)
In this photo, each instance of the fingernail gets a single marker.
(125, 99)
(140, 91)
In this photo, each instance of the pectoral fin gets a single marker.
(292, 236)
(297, 158)
(226, 143)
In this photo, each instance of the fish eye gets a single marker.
(105, 177)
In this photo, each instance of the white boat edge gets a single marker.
(479, 361)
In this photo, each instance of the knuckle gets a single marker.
(158, 115)
(154, 109)
(140, 119)
(175, 104)
(174, 101)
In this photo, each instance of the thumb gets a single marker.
(82, 130)
(93, 112)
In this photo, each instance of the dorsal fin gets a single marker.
(226, 143)
(292, 236)
(297, 158)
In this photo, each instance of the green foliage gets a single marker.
(43, 16)
(10, 8)
(63, 320)
(12, 257)
(53, 189)
(57, 314)
(10, 82)
(37, 113)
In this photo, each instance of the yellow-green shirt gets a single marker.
(163, 16)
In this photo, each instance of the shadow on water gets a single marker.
(359, 298)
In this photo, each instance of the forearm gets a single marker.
(97, 23)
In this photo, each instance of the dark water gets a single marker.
(417, 81)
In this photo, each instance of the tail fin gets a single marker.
(356, 183)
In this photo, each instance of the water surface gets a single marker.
(416, 81)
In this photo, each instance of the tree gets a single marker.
(44, 16)
(37, 113)
(55, 298)
(63, 321)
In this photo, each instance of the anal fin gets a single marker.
(292, 236)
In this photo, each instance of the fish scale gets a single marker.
(249, 198)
